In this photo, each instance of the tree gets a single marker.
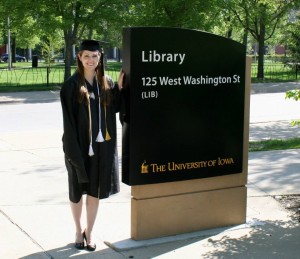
(260, 18)
(22, 25)
(27, 35)
(194, 14)
(292, 39)
(294, 51)
(75, 18)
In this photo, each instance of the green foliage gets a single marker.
(22, 22)
(193, 14)
(292, 39)
(33, 21)
(50, 48)
(274, 144)
(260, 19)
(295, 95)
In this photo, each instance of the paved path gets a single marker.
(35, 219)
(271, 113)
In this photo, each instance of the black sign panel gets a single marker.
(185, 105)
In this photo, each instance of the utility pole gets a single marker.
(8, 43)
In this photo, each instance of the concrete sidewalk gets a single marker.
(29, 97)
(35, 219)
(52, 96)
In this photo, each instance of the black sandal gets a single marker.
(89, 247)
(80, 245)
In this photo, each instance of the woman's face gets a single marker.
(89, 59)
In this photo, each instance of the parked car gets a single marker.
(4, 58)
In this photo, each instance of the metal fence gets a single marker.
(277, 71)
(28, 76)
(54, 76)
(39, 76)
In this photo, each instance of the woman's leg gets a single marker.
(92, 205)
(76, 209)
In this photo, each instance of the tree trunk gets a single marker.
(245, 37)
(90, 34)
(69, 41)
(118, 55)
(229, 33)
(261, 52)
(13, 49)
(230, 30)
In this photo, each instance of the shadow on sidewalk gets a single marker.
(273, 130)
(68, 251)
(280, 87)
(276, 239)
(30, 97)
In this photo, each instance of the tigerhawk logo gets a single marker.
(144, 168)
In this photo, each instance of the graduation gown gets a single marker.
(96, 175)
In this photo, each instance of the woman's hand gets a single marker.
(121, 79)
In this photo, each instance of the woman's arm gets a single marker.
(70, 140)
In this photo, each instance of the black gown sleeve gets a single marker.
(70, 140)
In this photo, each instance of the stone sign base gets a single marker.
(178, 214)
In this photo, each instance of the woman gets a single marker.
(90, 101)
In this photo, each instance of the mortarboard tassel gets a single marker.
(102, 62)
(100, 136)
(91, 151)
(107, 137)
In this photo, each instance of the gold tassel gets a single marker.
(107, 137)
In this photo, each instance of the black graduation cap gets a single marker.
(91, 45)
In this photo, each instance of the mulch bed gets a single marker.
(290, 203)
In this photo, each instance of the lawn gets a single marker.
(25, 78)
(274, 144)
(275, 72)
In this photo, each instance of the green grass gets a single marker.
(15, 65)
(275, 72)
(115, 66)
(28, 79)
(25, 78)
(274, 144)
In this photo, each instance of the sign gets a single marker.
(184, 105)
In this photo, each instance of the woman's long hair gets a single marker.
(105, 95)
